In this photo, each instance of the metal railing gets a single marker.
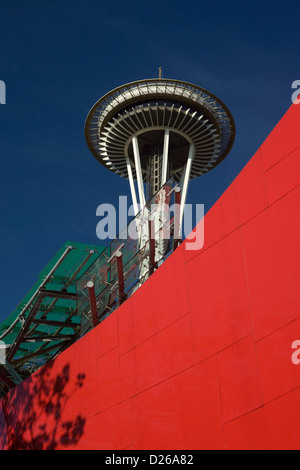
(131, 258)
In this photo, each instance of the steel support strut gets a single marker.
(36, 294)
(185, 178)
(165, 157)
(120, 271)
(138, 168)
(93, 303)
(25, 327)
(177, 232)
(151, 244)
(132, 187)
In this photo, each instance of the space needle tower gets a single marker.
(149, 131)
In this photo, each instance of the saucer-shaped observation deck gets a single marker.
(154, 129)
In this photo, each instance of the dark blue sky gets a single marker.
(58, 58)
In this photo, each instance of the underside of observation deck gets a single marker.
(145, 108)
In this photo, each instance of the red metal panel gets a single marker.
(197, 410)
(247, 432)
(107, 335)
(45, 405)
(283, 139)
(267, 273)
(283, 177)
(229, 219)
(157, 359)
(108, 369)
(239, 379)
(219, 299)
(288, 214)
(285, 227)
(152, 418)
(213, 231)
(251, 189)
(282, 416)
(158, 303)
(273, 350)
(109, 430)
(87, 397)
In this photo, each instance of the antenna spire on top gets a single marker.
(159, 72)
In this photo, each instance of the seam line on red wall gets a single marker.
(262, 406)
(182, 371)
(278, 329)
(155, 334)
(242, 225)
(277, 163)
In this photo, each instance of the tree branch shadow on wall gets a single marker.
(33, 414)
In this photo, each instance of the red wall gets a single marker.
(200, 356)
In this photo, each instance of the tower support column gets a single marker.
(132, 187)
(184, 184)
(139, 175)
(165, 157)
